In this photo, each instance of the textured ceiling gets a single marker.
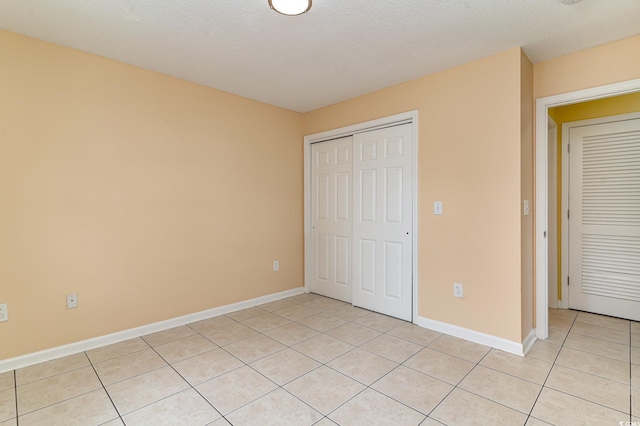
(339, 50)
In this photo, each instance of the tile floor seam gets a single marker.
(168, 396)
(353, 378)
(576, 333)
(586, 400)
(591, 374)
(119, 356)
(15, 392)
(131, 377)
(421, 412)
(53, 375)
(456, 386)
(107, 392)
(487, 399)
(406, 340)
(552, 365)
(456, 356)
(57, 402)
(296, 397)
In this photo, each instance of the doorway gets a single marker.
(360, 215)
(542, 185)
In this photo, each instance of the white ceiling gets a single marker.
(339, 50)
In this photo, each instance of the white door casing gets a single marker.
(604, 220)
(552, 235)
(331, 218)
(382, 227)
(541, 188)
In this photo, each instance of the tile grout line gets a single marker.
(551, 369)
(105, 388)
(15, 392)
(461, 380)
(185, 380)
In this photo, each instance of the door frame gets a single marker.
(566, 128)
(409, 117)
(552, 232)
(541, 194)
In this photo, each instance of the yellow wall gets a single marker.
(470, 159)
(584, 111)
(150, 196)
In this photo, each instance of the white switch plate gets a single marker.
(457, 290)
(276, 265)
(437, 207)
(526, 207)
(4, 313)
(72, 301)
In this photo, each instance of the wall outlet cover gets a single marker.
(72, 301)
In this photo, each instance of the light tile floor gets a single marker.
(312, 360)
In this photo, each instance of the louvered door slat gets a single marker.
(604, 233)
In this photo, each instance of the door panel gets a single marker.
(383, 174)
(604, 224)
(331, 221)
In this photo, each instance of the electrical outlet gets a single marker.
(276, 265)
(4, 313)
(72, 301)
(457, 290)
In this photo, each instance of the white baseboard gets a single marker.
(475, 336)
(96, 342)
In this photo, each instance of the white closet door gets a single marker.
(604, 223)
(331, 218)
(382, 226)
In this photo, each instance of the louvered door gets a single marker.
(604, 224)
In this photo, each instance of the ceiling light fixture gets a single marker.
(290, 7)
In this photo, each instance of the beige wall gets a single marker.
(469, 158)
(149, 196)
(606, 64)
(153, 197)
(526, 188)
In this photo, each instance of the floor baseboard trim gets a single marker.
(473, 336)
(96, 342)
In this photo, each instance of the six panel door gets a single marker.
(383, 218)
(331, 220)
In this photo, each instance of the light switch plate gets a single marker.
(457, 290)
(437, 207)
(526, 207)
